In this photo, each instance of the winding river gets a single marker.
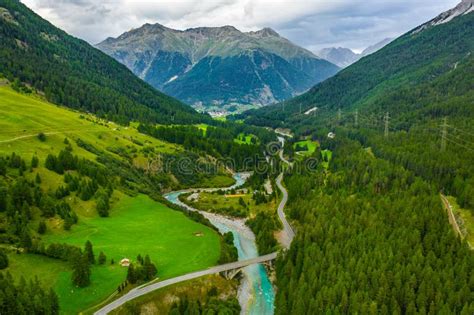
(256, 294)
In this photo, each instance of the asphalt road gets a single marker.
(289, 233)
(152, 287)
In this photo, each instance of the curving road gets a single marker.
(152, 287)
(289, 233)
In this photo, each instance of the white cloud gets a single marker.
(311, 23)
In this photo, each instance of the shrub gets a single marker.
(41, 137)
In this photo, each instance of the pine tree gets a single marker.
(140, 259)
(102, 258)
(41, 137)
(150, 268)
(54, 302)
(25, 239)
(42, 227)
(89, 252)
(3, 260)
(3, 195)
(37, 179)
(34, 162)
(131, 274)
(81, 271)
(103, 206)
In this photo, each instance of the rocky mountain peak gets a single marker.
(265, 32)
(465, 7)
(344, 57)
(213, 31)
(144, 30)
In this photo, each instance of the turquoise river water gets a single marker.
(256, 294)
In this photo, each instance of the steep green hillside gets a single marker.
(71, 72)
(419, 80)
(67, 177)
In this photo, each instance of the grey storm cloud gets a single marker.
(314, 24)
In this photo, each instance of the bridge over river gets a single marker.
(210, 271)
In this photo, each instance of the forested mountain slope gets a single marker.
(431, 78)
(71, 72)
(373, 222)
(219, 65)
(410, 61)
(372, 238)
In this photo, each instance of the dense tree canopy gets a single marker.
(372, 239)
(26, 297)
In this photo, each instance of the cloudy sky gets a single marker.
(313, 24)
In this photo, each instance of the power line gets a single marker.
(457, 129)
(386, 121)
(460, 139)
(357, 118)
(461, 145)
(444, 133)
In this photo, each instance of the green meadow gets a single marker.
(202, 127)
(23, 117)
(309, 144)
(246, 139)
(230, 204)
(327, 156)
(136, 225)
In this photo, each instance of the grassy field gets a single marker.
(246, 139)
(137, 225)
(23, 117)
(467, 217)
(311, 146)
(327, 156)
(230, 205)
(217, 181)
(203, 127)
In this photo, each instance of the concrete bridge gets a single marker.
(230, 269)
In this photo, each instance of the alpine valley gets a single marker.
(218, 66)
(352, 194)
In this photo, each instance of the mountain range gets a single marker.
(219, 65)
(344, 57)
